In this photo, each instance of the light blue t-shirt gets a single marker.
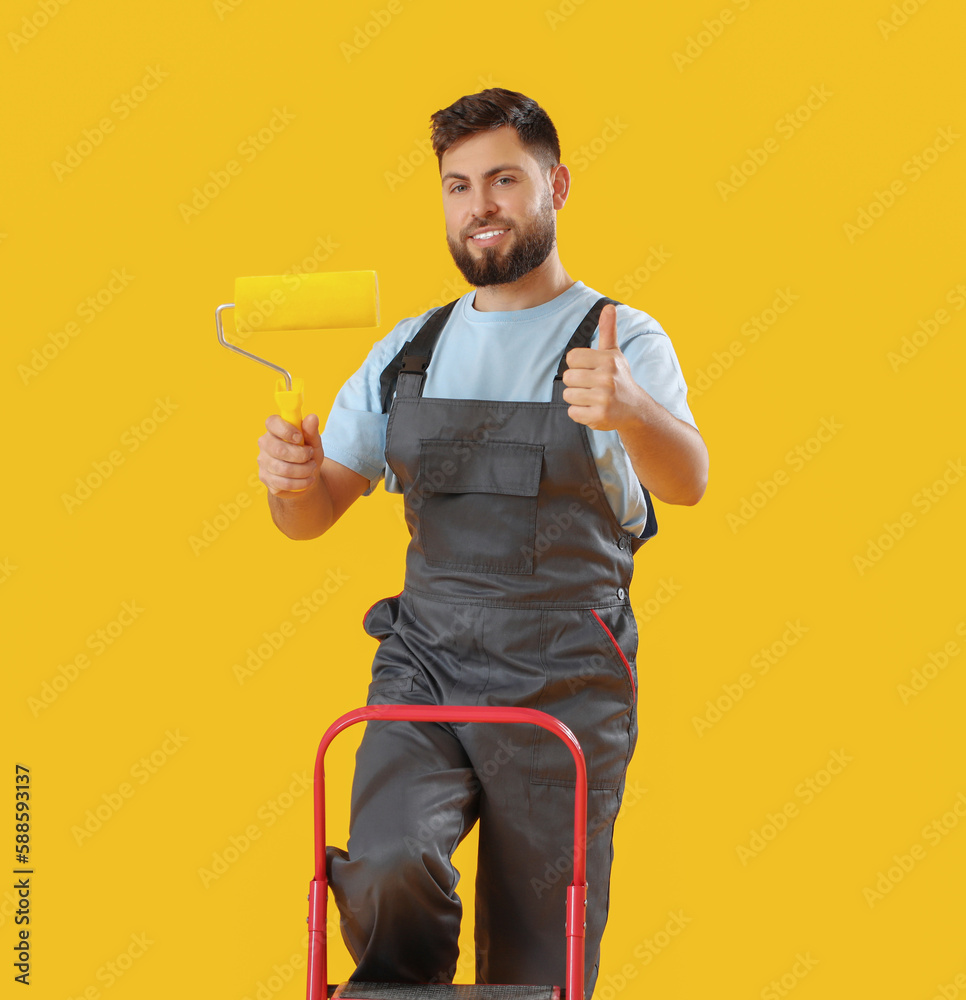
(508, 355)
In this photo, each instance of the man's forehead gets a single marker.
(486, 153)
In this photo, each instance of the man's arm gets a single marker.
(669, 456)
(307, 492)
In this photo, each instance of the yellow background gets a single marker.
(349, 183)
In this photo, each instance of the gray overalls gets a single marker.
(516, 593)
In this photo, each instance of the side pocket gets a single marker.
(590, 688)
(385, 616)
(393, 671)
(619, 651)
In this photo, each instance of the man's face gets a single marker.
(497, 185)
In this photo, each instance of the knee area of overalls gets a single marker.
(405, 865)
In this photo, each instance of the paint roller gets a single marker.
(332, 300)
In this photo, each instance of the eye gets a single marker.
(506, 179)
(455, 187)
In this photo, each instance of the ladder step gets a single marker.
(415, 991)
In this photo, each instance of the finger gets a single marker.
(276, 485)
(283, 429)
(582, 397)
(583, 357)
(581, 414)
(607, 325)
(276, 448)
(276, 472)
(311, 430)
(580, 377)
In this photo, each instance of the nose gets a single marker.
(482, 203)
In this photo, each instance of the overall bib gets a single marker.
(516, 593)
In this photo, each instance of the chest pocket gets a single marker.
(477, 504)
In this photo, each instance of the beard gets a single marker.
(526, 247)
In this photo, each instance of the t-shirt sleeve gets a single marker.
(355, 430)
(655, 366)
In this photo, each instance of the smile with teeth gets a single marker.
(489, 237)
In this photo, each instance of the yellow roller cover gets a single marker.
(328, 300)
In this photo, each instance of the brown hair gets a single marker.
(491, 109)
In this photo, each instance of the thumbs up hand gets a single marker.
(602, 393)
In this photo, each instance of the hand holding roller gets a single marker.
(332, 300)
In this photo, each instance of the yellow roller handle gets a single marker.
(289, 401)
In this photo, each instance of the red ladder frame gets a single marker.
(317, 985)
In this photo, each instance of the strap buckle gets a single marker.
(414, 363)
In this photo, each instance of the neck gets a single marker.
(540, 285)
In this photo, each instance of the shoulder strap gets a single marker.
(414, 355)
(581, 338)
(584, 333)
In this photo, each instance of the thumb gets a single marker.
(607, 340)
(310, 430)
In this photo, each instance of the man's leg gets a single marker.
(527, 806)
(525, 866)
(414, 798)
